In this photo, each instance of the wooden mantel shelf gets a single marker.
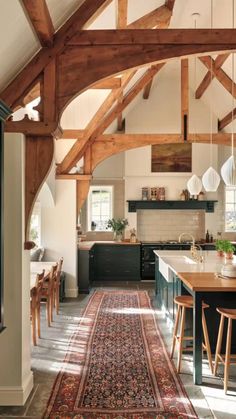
(134, 205)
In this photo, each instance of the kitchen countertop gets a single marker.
(87, 245)
(195, 275)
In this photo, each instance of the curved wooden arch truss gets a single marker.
(73, 60)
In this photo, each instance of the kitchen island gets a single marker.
(177, 273)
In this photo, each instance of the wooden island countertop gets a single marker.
(199, 276)
(178, 273)
(207, 281)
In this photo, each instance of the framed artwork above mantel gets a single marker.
(171, 158)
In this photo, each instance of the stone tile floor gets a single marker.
(209, 399)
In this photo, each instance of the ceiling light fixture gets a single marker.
(194, 184)
(228, 170)
(211, 178)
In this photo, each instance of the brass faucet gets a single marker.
(189, 235)
(194, 247)
(195, 253)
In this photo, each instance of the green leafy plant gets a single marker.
(219, 245)
(117, 224)
(227, 247)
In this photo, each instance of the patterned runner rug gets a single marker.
(117, 366)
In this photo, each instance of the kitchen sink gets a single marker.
(181, 259)
(165, 269)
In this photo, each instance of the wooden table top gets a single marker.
(207, 281)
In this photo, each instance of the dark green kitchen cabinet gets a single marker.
(85, 270)
(117, 262)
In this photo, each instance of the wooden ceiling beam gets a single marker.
(145, 139)
(152, 19)
(216, 38)
(118, 108)
(227, 119)
(219, 74)
(88, 11)
(38, 13)
(29, 127)
(72, 134)
(107, 145)
(122, 12)
(109, 83)
(147, 89)
(74, 176)
(218, 62)
(121, 23)
(170, 4)
(70, 159)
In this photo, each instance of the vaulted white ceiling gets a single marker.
(19, 44)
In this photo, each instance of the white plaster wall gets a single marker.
(58, 232)
(16, 380)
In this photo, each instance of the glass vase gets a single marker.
(118, 236)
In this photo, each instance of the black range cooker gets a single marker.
(148, 256)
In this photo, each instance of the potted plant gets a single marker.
(219, 247)
(117, 225)
(228, 249)
(93, 226)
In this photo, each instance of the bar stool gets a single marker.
(183, 302)
(230, 314)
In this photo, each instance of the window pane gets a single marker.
(100, 207)
(230, 196)
(230, 222)
(229, 207)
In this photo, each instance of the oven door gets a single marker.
(148, 270)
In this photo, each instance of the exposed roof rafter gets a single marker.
(122, 12)
(226, 120)
(87, 12)
(219, 74)
(108, 119)
(71, 159)
(219, 61)
(39, 16)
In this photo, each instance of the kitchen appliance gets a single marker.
(148, 256)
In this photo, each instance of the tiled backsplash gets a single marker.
(168, 225)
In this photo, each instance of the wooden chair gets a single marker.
(227, 359)
(35, 294)
(47, 293)
(57, 286)
(186, 302)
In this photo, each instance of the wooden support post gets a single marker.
(38, 160)
(82, 190)
(49, 92)
(5, 112)
(184, 98)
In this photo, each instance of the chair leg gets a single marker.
(206, 339)
(174, 332)
(219, 343)
(181, 336)
(57, 300)
(227, 355)
(39, 320)
(48, 311)
(34, 326)
(51, 306)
